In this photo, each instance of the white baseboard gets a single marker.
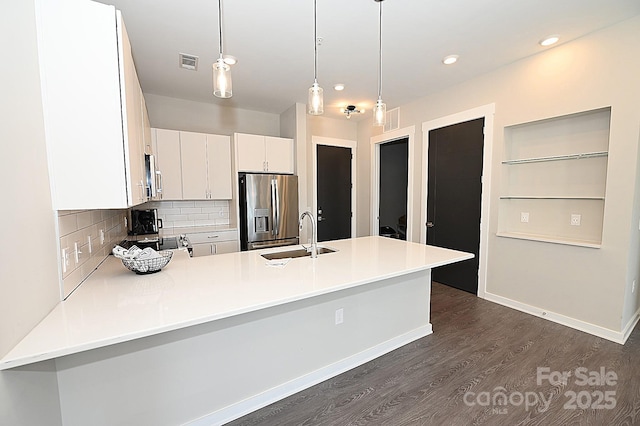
(279, 392)
(626, 332)
(614, 336)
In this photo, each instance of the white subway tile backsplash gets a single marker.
(67, 224)
(191, 213)
(78, 226)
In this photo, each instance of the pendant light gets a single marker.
(222, 87)
(315, 106)
(380, 110)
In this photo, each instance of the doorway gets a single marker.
(377, 143)
(485, 112)
(334, 187)
(454, 199)
(394, 167)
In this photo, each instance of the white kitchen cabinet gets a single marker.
(219, 167)
(216, 242)
(193, 149)
(88, 99)
(194, 166)
(168, 161)
(257, 153)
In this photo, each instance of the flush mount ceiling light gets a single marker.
(380, 110)
(549, 40)
(450, 60)
(222, 87)
(351, 109)
(230, 60)
(338, 87)
(315, 106)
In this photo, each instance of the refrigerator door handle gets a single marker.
(276, 225)
(273, 207)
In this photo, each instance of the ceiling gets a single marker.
(273, 41)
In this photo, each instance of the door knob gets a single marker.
(430, 225)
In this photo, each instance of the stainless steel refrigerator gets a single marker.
(268, 210)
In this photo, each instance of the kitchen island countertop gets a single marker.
(115, 305)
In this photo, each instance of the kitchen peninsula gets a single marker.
(209, 339)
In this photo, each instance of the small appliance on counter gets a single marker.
(144, 222)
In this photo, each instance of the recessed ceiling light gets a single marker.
(548, 41)
(451, 59)
(339, 86)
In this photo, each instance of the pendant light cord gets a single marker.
(220, 24)
(315, 41)
(380, 52)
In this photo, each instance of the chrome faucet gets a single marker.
(314, 232)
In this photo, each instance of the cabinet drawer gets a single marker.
(212, 237)
(206, 249)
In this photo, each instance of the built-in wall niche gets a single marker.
(554, 177)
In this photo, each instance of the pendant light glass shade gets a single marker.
(315, 105)
(379, 113)
(222, 86)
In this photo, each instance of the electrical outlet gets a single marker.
(339, 316)
(633, 287)
(76, 252)
(524, 217)
(126, 222)
(65, 259)
(89, 247)
(101, 237)
(575, 219)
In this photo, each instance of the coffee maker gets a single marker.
(144, 222)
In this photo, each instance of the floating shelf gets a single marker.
(558, 157)
(545, 239)
(548, 197)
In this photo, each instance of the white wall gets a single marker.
(180, 114)
(29, 274)
(590, 286)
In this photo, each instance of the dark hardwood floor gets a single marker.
(479, 367)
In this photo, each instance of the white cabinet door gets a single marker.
(146, 127)
(131, 96)
(193, 148)
(168, 162)
(81, 104)
(250, 151)
(279, 155)
(219, 167)
(257, 153)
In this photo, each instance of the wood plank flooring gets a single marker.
(478, 353)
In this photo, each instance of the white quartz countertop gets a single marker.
(115, 305)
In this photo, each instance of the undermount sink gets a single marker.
(301, 252)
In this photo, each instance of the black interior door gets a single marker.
(334, 192)
(454, 199)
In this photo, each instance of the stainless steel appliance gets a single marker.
(268, 210)
(153, 177)
(144, 222)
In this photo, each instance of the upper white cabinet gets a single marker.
(194, 166)
(256, 153)
(168, 162)
(91, 105)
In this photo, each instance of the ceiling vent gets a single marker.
(188, 62)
